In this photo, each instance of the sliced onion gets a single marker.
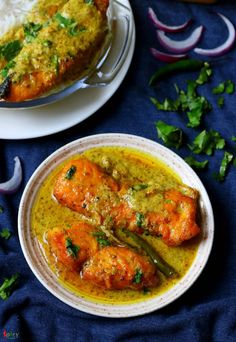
(183, 45)
(228, 44)
(158, 24)
(166, 57)
(13, 184)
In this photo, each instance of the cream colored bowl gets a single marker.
(34, 255)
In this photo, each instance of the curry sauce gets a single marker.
(127, 166)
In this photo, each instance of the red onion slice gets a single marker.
(13, 184)
(166, 57)
(183, 45)
(228, 44)
(158, 24)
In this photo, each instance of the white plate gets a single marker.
(42, 121)
(36, 260)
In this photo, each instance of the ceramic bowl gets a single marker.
(34, 255)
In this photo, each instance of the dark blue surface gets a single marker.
(207, 312)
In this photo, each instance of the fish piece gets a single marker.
(63, 50)
(88, 190)
(117, 268)
(177, 223)
(72, 246)
(91, 191)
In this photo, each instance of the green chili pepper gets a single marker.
(162, 265)
(170, 69)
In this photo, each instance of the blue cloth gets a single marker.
(207, 311)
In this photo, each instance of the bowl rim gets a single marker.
(49, 280)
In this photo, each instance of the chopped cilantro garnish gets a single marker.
(102, 239)
(220, 101)
(10, 50)
(140, 220)
(70, 24)
(204, 74)
(219, 89)
(31, 30)
(138, 276)
(72, 249)
(171, 135)
(233, 138)
(89, 2)
(5, 233)
(195, 163)
(227, 159)
(70, 173)
(229, 87)
(4, 71)
(55, 63)
(7, 286)
(168, 104)
(207, 142)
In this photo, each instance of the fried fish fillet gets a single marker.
(93, 192)
(64, 49)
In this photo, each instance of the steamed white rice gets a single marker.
(13, 12)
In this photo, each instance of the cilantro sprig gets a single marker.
(5, 233)
(8, 285)
(72, 250)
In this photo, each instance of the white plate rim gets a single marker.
(18, 124)
(48, 279)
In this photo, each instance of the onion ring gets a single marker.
(226, 46)
(165, 57)
(166, 28)
(183, 45)
(13, 184)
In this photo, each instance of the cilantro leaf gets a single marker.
(229, 87)
(204, 74)
(5, 233)
(72, 249)
(7, 286)
(220, 102)
(5, 71)
(10, 50)
(31, 30)
(219, 89)
(70, 173)
(195, 163)
(138, 276)
(101, 239)
(207, 142)
(70, 24)
(140, 220)
(168, 105)
(171, 135)
(227, 159)
(89, 2)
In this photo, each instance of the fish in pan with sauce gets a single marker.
(60, 49)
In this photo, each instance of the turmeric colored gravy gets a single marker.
(125, 164)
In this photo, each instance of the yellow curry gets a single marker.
(116, 190)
